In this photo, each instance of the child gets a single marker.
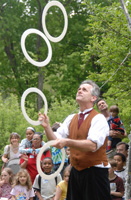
(120, 171)
(22, 187)
(115, 124)
(61, 189)
(116, 183)
(46, 189)
(6, 182)
(27, 142)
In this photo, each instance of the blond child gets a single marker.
(22, 187)
(6, 183)
(61, 189)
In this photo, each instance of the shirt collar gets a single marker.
(87, 110)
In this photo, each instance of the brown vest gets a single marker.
(80, 159)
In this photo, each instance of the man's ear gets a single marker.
(93, 98)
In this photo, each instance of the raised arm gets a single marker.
(45, 123)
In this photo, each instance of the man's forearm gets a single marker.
(50, 134)
(81, 145)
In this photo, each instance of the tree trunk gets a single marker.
(40, 73)
(40, 86)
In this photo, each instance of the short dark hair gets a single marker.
(40, 134)
(99, 101)
(126, 145)
(122, 156)
(55, 126)
(114, 108)
(47, 158)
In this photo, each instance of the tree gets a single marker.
(19, 74)
(109, 44)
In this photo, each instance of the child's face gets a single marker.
(47, 165)
(29, 134)
(114, 114)
(66, 176)
(5, 176)
(23, 179)
(119, 162)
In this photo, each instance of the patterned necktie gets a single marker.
(81, 118)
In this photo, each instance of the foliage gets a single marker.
(109, 44)
(96, 43)
(12, 119)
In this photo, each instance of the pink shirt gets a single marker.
(5, 190)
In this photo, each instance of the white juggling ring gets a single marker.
(59, 38)
(29, 90)
(51, 176)
(33, 62)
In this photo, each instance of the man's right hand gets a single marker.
(44, 120)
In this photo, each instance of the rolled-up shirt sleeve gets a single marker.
(99, 130)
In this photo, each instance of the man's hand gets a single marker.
(116, 134)
(44, 120)
(60, 143)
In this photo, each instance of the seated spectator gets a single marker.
(120, 171)
(122, 147)
(6, 183)
(22, 186)
(28, 161)
(27, 142)
(11, 156)
(116, 183)
(46, 189)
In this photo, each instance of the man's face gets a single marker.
(102, 105)
(121, 149)
(84, 94)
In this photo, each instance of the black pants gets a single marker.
(89, 184)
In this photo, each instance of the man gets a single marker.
(89, 174)
(122, 147)
(103, 108)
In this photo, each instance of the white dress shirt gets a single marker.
(98, 130)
